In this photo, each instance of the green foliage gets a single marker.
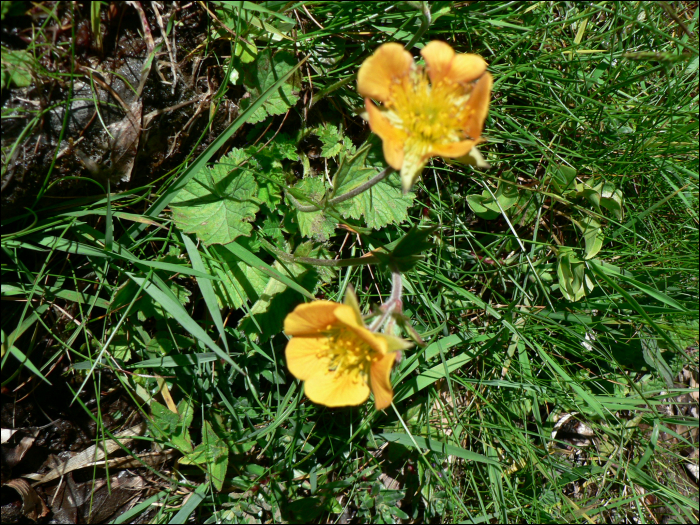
(490, 204)
(331, 138)
(404, 254)
(219, 204)
(238, 282)
(318, 225)
(574, 281)
(381, 205)
(211, 452)
(17, 68)
(266, 70)
(556, 292)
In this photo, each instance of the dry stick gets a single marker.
(345, 196)
(163, 32)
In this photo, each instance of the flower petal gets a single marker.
(444, 64)
(352, 302)
(307, 356)
(310, 318)
(379, 72)
(392, 138)
(380, 381)
(395, 344)
(336, 390)
(453, 150)
(413, 163)
(438, 57)
(474, 158)
(467, 68)
(346, 316)
(478, 106)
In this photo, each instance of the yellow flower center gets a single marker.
(428, 114)
(349, 354)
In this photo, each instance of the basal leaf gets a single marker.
(593, 237)
(239, 282)
(262, 74)
(219, 203)
(477, 203)
(331, 140)
(315, 224)
(382, 204)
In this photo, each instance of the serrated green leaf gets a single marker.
(262, 74)
(239, 282)
(315, 224)
(165, 421)
(331, 140)
(218, 203)
(382, 204)
(270, 173)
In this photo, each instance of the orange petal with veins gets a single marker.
(310, 318)
(467, 67)
(478, 106)
(438, 59)
(302, 354)
(392, 138)
(380, 381)
(389, 63)
(334, 389)
(453, 150)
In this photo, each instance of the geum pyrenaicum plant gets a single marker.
(339, 359)
(432, 111)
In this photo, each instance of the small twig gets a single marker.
(163, 32)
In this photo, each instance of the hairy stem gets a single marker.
(335, 263)
(345, 196)
(393, 304)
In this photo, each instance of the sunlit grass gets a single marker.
(523, 406)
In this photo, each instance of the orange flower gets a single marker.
(337, 356)
(436, 111)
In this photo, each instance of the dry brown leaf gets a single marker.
(89, 456)
(33, 507)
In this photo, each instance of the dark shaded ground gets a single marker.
(172, 118)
